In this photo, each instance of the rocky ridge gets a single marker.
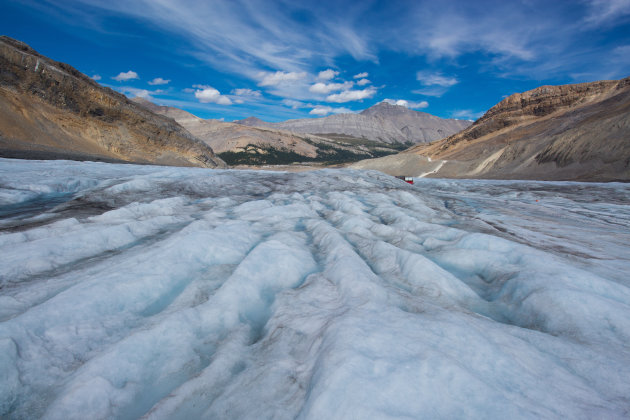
(568, 132)
(51, 110)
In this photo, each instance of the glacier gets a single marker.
(152, 292)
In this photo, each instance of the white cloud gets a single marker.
(130, 75)
(295, 104)
(351, 95)
(137, 93)
(407, 104)
(435, 79)
(242, 94)
(327, 74)
(207, 94)
(96, 77)
(142, 93)
(363, 82)
(325, 110)
(435, 83)
(247, 92)
(361, 75)
(325, 88)
(279, 78)
(321, 110)
(159, 81)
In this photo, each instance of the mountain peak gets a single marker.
(383, 107)
(385, 104)
(253, 122)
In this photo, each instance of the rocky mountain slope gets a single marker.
(418, 127)
(245, 144)
(381, 123)
(51, 110)
(569, 132)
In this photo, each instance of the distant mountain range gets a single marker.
(569, 132)
(241, 144)
(380, 130)
(383, 122)
(50, 110)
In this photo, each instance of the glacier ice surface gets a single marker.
(142, 291)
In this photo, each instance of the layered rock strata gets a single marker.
(51, 110)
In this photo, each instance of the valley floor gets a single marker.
(130, 291)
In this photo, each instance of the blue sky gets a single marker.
(278, 59)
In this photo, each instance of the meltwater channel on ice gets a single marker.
(174, 293)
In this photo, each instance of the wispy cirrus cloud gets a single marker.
(602, 12)
(241, 38)
(246, 44)
(293, 104)
(435, 79)
(434, 83)
(237, 36)
(279, 77)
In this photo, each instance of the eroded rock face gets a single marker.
(570, 132)
(534, 104)
(49, 109)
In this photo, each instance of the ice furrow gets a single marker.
(188, 293)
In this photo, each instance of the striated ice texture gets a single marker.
(170, 293)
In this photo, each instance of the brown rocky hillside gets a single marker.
(51, 110)
(569, 132)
